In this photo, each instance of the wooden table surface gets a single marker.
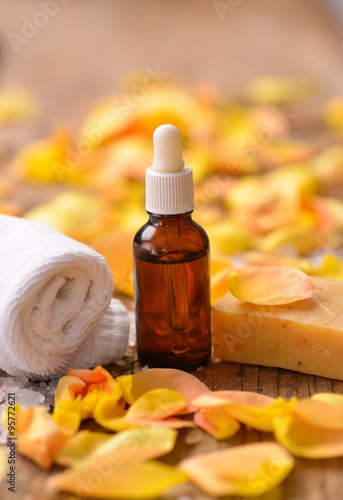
(83, 53)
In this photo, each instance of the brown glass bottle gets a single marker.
(172, 292)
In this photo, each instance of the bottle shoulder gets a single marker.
(176, 238)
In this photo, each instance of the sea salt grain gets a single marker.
(27, 393)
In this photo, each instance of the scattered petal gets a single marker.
(221, 473)
(131, 480)
(314, 427)
(15, 105)
(68, 388)
(3, 463)
(252, 409)
(270, 285)
(80, 446)
(134, 386)
(39, 437)
(116, 247)
(219, 286)
(217, 422)
(134, 445)
(280, 89)
(152, 408)
(96, 379)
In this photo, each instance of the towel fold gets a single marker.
(55, 295)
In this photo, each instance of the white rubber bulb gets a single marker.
(167, 149)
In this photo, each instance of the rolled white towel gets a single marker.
(55, 295)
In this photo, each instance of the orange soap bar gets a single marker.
(306, 336)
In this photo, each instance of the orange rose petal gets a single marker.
(98, 378)
(252, 409)
(270, 285)
(219, 286)
(3, 463)
(216, 422)
(116, 246)
(134, 386)
(38, 435)
(68, 388)
(131, 480)
(248, 470)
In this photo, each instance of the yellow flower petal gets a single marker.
(134, 386)
(45, 160)
(152, 408)
(131, 480)
(270, 285)
(81, 216)
(248, 470)
(15, 105)
(217, 422)
(314, 427)
(85, 406)
(301, 239)
(80, 446)
(280, 89)
(252, 409)
(306, 440)
(80, 391)
(134, 445)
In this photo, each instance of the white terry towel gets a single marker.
(55, 295)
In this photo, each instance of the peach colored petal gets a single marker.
(68, 388)
(134, 445)
(130, 480)
(308, 440)
(328, 397)
(3, 463)
(153, 408)
(216, 422)
(322, 410)
(98, 378)
(248, 470)
(252, 409)
(134, 386)
(39, 437)
(270, 285)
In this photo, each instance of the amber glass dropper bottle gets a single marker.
(171, 265)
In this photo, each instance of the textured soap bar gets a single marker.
(306, 336)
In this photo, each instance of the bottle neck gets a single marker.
(156, 218)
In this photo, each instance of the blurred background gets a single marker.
(256, 89)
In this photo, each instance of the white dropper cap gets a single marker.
(168, 182)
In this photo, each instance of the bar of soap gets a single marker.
(306, 336)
